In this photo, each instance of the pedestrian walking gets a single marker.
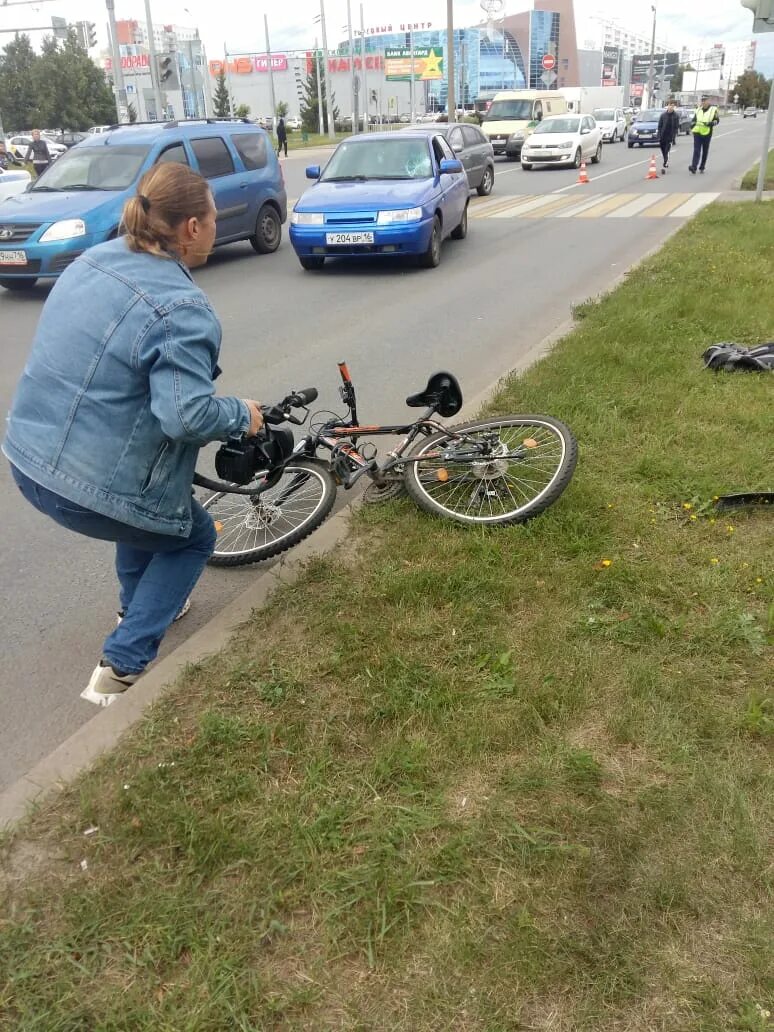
(668, 128)
(38, 153)
(115, 401)
(282, 136)
(705, 118)
(3, 156)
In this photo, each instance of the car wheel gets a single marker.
(578, 158)
(18, 285)
(526, 166)
(487, 182)
(630, 146)
(598, 156)
(311, 261)
(268, 231)
(431, 259)
(462, 230)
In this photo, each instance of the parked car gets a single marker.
(12, 181)
(473, 150)
(18, 146)
(292, 123)
(612, 124)
(750, 112)
(385, 194)
(69, 139)
(96, 130)
(563, 140)
(644, 130)
(79, 200)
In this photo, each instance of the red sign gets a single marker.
(248, 65)
(341, 64)
(549, 62)
(130, 63)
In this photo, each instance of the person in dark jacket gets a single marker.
(3, 155)
(282, 136)
(668, 128)
(38, 153)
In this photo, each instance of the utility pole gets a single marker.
(154, 71)
(352, 79)
(766, 143)
(271, 74)
(451, 106)
(652, 70)
(412, 84)
(363, 69)
(118, 72)
(328, 98)
(320, 117)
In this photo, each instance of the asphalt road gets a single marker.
(536, 247)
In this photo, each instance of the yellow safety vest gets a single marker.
(704, 120)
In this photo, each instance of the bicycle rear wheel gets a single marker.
(503, 470)
(252, 529)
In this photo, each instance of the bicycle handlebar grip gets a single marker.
(304, 397)
(344, 372)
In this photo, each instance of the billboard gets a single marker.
(611, 66)
(428, 63)
(663, 65)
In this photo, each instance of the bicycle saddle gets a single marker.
(443, 393)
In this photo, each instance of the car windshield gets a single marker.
(401, 158)
(505, 110)
(93, 168)
(558, 125)
(648, 116)
(604, 115)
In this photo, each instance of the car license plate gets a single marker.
(13, 258)
(334, 239)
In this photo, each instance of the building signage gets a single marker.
(663, 65)
(373, 62)
(249, 64)
(131, 63)
(392, 27)
(611, 66)
(428, 63)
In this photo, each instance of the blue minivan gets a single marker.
(78, 200)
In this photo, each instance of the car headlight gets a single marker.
(307, 218)
(388, 218)
(515, 137)
(566, 145)
(633, 131)
(65, 230)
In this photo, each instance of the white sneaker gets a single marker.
(105, 685)
(180, 615)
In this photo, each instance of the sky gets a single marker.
(239, 26)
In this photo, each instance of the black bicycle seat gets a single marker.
(443, 393)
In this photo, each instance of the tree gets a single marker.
(18, 99)
(282, 109)
(242, 111)
(222, 99)
(310, 116)
(752, 89)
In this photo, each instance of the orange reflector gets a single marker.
(218, 526)
(530, 442)
(442, 475)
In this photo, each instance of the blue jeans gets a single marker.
(701, 146)
(156, 572)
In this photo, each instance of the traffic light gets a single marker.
(91, 34)
(374, 96)
(763, 14)
(166, 67)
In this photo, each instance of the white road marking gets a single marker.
(636, 206)
(695, 204)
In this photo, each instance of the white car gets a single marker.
(97, 130)
(612, 124)
(291, 122)
(18, 145)
(563, 140)
(13, 181)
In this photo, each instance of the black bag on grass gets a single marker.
(732, 358)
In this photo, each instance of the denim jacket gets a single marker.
(117, 395)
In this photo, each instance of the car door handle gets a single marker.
(243, 186)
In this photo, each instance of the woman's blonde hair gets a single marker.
(168, 194)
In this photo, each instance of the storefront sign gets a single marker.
(136, 63)
(373, 62)
(381, 30)
(249, 64)
(611, 66)
(428, 63)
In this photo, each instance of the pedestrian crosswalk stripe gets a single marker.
(612, 206)
(616, 201)
(666, 205)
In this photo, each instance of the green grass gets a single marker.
(750, 181)
(458, 779)
(296, 142)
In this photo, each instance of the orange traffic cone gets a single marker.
(583, 176)
(652, 171)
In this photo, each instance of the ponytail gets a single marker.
(167, 195)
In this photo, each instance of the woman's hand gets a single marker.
(256, 417)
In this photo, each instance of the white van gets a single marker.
(513, 114)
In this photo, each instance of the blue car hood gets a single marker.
(375, 194)
(645, 125)
(51, 207)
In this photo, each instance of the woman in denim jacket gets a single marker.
(116, 400)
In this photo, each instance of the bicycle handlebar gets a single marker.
(280, 413)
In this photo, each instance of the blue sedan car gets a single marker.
(381, 194)
(644, 130)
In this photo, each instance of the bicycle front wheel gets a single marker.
(495, 471)
(254, 528)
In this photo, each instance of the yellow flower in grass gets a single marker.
(714, 561)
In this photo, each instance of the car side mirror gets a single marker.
(448, 167)
(312, 171)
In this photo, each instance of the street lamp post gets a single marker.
(118, 72)
(354, 85)
(328, 99)
(271, 73)
(652, 70)
(154, 71)
(451, 106)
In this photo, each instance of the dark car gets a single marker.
(70, 139)
(471, 147)
(686, 120)
(644, 129)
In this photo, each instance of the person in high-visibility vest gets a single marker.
(705, 118)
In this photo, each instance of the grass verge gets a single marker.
(296, 141)
(750, 181)
(480, 781)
